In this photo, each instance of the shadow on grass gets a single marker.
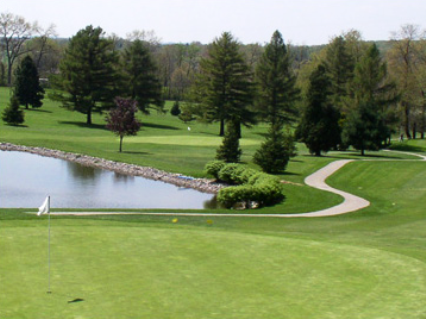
(38, 110)
(165, 127)
(407, 148)
(17, 125)
(84, 125)
(135, 153)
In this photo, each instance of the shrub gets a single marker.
(213, 168)
(253, 186)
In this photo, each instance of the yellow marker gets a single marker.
(175, 220)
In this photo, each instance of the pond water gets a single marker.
(26, 179)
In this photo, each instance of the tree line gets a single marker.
(345, 93)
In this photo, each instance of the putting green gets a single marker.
(114, 271)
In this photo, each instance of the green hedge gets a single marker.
(252, 186)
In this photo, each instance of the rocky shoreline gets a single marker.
(200, 184)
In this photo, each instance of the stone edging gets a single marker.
(200, 184)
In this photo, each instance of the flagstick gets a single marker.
(48, 205)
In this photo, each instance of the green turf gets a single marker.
(369, 264)
(162, 272)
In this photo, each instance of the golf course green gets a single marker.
(368, 264)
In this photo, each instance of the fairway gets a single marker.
(182, 272)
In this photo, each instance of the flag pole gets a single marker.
(48, 261)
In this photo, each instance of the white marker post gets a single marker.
(45, 209)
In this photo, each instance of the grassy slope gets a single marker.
(369, 264)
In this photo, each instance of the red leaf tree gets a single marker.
(122, 120)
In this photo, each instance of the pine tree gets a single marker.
(140, 79)
(88, 80)
(275, 152)
(230, 151)
(224, 89)
(319, 126)
(12, 114)
(277, 92)
(371, 82)
(364, 128)
(275, 102)
(175, 110)
(340, 67)
(27, 85)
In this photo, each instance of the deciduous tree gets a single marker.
(122, 119)
(14, 32)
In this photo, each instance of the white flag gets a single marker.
(45, 208)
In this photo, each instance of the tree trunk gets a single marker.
(121, 143)
(362, 152)
(89, 117)
(407, 120)
(414, 130)
(9, 74)
(222, 128)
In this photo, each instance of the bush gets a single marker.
(213, 168)
(253, 186)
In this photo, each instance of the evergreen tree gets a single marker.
(88, 79)
(275, 151)
(27, 85)
(230, 151)
(140, 79)
(371, 83)
(175, 110)
(277, 92)
(364, 128)
(340, 67)
(319, 126)
(224, 89)
(12, 114)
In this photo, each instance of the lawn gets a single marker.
(368, 264)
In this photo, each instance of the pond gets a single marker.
(26, 180)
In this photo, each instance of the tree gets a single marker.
(276, 84)
(319, 126)
(175, 110)
(88, 80)
(230, 151)
(27, 85)
(364, 128)
(12, 114)
(371, 84)
(140, 79)
(340, 66)
(122, 120)
(14, 32)
(404, 64)
(275, 152)
(275, 103)
(224, 89)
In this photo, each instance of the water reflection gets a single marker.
(26, 179)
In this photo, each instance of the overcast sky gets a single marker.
(300, 21)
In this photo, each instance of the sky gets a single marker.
(301, 22)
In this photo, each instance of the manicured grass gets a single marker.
(123, 271)
(369, 264)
